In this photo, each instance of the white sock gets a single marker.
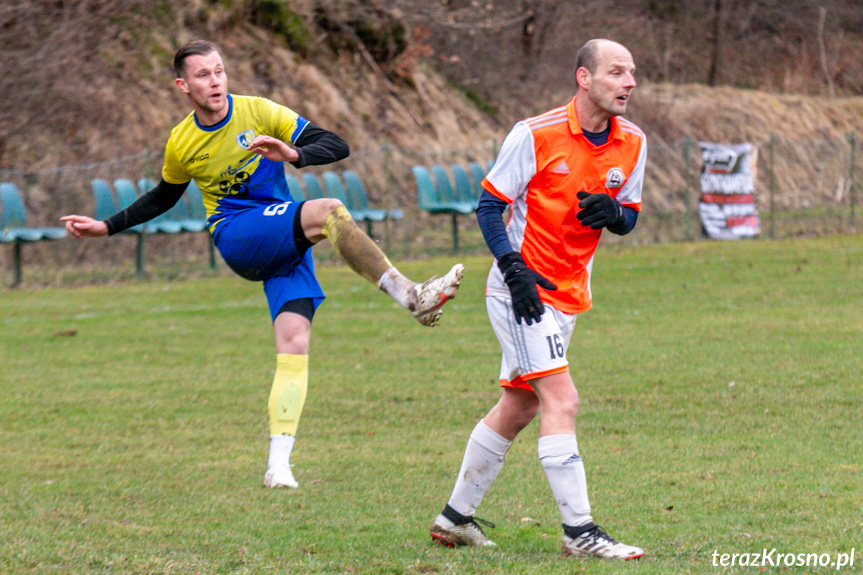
(280, 450)
(483, 460)
(399, 288)
(565, 471)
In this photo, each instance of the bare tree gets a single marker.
(713, 72)
(822, 15)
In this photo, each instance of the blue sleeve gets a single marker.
(630, 218)
(489, 214)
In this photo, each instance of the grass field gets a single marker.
(721, 412)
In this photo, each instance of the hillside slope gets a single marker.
(86, 78)
(89, 81)
(110, 86)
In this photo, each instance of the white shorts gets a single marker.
(529, 351)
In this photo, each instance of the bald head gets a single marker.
(596, 51)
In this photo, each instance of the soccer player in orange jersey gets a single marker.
(566, 174)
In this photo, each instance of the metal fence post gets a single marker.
(853, 140)
(387, 195)
(16, 256)
(139, 247)
(687, 189)
(772, 187)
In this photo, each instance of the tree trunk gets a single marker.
(713, 73)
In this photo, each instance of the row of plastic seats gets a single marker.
(346, 187)
(14, 228)
(187, 215)
(437, 193)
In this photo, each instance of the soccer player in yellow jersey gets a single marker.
(566, 174)
(235, 147)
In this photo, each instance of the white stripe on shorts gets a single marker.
(529, 349)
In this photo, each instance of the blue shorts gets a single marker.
(258, 244)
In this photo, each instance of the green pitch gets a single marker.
(720, 413)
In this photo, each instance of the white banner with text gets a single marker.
(727, 203)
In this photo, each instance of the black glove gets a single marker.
(522, 282)
(599, 210)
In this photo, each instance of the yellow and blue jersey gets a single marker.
(231, 178)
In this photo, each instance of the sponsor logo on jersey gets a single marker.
(244, 138)
(614, 179)
(238, 187)
(232, 170)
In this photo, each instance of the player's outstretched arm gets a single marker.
(83, 226)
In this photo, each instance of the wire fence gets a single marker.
(803, 188)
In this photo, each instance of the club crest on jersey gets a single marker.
(244, 138)
(614, 179)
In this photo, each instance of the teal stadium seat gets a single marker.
(436, 196)
(295, 188)
(426, 195)
(187, 215)
(477, 174)
(168, 223)
(464, 191)
(357, 197)
(197, 213)
(314, 189)
(443, 186)
(334, 188)
(177, 219)
(197, 218)
(348, 187)
(103, 196)
(13, 221)
(127, 193)
(14, 228)
(446, 193)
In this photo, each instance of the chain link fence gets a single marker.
(803, 188)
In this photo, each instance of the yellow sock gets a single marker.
(288, 393)
(356, 248)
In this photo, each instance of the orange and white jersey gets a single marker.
(543, 163)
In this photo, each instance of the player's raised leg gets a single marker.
(328, 218)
